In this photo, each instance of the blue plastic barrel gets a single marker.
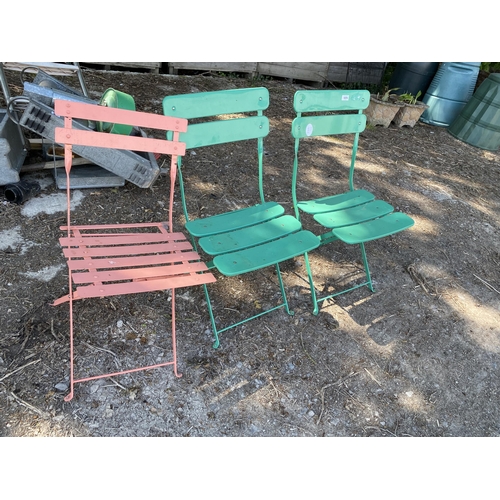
(478, 124)
(450, 90)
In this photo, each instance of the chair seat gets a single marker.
(336, 202)
(250, 236)
(372, 230)
(354, 215)
(261, 256)
(131, 258)
(234, 220)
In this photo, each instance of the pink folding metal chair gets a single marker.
(117, 259)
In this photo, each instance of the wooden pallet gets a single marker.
(52, 68)
(356, 72)
(153, 67)
(309, 71)
(225, 67)
(318, 72)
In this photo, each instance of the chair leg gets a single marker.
(311, 286)
(69, 396)
(283, 293)
(316, 301)
(216, 331)
(174, 340)
(216, 343)
(367, 269)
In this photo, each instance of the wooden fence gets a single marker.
(319, 72)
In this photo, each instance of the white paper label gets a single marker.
(345, 97)
(309, 129)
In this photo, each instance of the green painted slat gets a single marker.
(355, 215)
(312, 126)
(308, 101)
(203, 104)
(234, 220)
(336, 202)
(250, 236)
(375, 229)
(223, 131)
(252, 259)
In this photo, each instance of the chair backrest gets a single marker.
(330, 112)
(222, 117)
(70, 136)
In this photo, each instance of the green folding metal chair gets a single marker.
(250, 238)
(354, 216)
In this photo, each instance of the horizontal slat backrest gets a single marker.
(98, 113)
(221, 117)
(224, 131)
(312, 126)
(323, 113)
(309, 101)
(115, 141)
(205, 104)
(220, 129)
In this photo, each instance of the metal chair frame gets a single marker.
(117, 259)
(354, 216)
(254, 237)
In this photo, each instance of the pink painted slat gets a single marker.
(119, 239)
(125, 250)
(117, 141)
(144, 286)
(74, 232)
(115, 115)
(160, 225)
(103, 263)
(139, 273)
(106, 263)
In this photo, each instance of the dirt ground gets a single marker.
(419, 357)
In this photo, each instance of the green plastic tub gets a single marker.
(478, 124)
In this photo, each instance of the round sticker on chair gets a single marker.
(309, 129)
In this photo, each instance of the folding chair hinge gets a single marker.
(327, 238)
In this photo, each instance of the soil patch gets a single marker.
(419, 357)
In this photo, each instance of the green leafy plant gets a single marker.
(490, 67)
(227, 74)
(372, 88)
(410, 98)
(386, 95)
